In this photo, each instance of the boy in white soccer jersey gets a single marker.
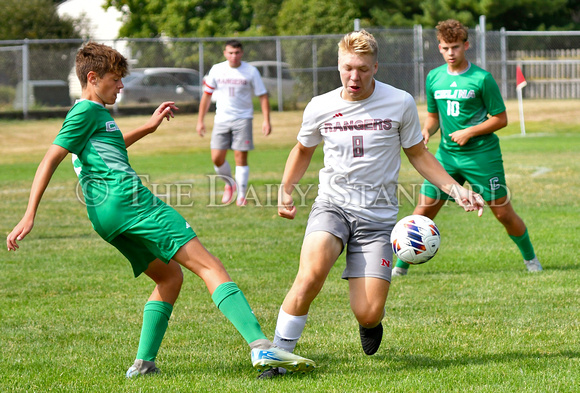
(154, 237)
(465, 102)
(363, 124)
(233, 82)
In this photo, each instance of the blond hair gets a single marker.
(359, 42)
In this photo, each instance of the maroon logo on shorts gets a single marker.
(386, 263)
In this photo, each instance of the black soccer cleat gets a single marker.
(272, 373)
(370, 339)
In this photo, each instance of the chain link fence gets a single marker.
(37, 76)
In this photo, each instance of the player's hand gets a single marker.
(286, 208)
(200, 129)
(461, 137)
(266, 128)
(163, 111)
(469, 200)
(426, 137)
(18, 233)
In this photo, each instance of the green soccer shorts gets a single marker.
(482, 170)
(159, 235)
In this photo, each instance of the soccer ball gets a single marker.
(415, 239)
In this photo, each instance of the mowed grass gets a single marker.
(472, 319)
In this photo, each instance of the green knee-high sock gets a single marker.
(402, 264)
(525, 245)
(233, 304)
(155, 320)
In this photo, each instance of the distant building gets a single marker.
(101, 24)
(98, 25)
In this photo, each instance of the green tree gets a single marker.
(533, 14)
(392, 13)
(221, 18)
(177, 18)
(36, 19)
(33, 19)
(511, 14)
(305, 17)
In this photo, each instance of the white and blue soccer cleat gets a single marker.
(265, 359)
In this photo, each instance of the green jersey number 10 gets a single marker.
(452, 108)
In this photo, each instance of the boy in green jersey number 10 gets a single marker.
(464, 101)
(153, 236)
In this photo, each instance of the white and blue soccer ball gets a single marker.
(415, 239)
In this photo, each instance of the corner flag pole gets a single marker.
(520, 84)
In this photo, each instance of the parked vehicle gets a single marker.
(154, 85)
(269, 71)
(188, 76)
(43, 93)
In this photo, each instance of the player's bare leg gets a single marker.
(196, 258)
(368, 296)
(223, 169)
(320, 250)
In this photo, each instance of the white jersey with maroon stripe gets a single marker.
(232, 89)
(362, 148)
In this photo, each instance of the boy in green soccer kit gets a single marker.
(465, 102)
(154, 237)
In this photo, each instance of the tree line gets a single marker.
(224, 18)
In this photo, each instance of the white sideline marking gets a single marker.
(541, 170)
(537, 171)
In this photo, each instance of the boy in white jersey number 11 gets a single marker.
(364, 123)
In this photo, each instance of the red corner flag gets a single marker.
(520, 80)
(520, 83)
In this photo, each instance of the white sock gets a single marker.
(242, 176)
(225, 172)
(288, 330)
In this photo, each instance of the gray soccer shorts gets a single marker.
(368, 244)
(235, 135)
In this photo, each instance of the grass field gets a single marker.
(470, 320)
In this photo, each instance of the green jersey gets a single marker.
(463, 100)
(114, 194)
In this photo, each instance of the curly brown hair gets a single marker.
(100, 59)
(451, 30)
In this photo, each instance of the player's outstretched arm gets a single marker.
(163, 111)
(265, 105)
(430, 127)
(296, 165)
(46, 168)
(428, 166)
(204, 104)
(467, 199)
